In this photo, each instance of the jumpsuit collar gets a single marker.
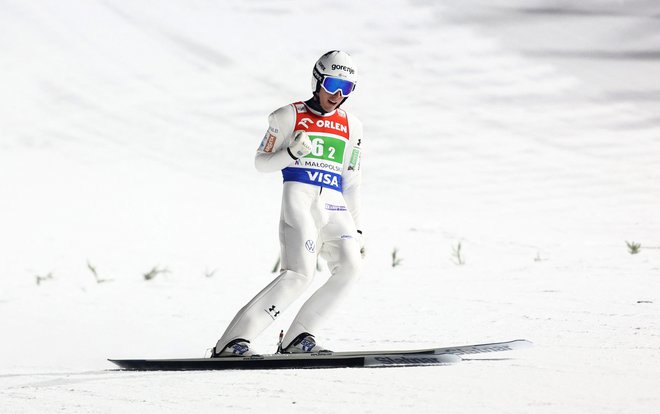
(316, 109)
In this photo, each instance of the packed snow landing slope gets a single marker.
(127, 143)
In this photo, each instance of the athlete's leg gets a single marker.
(298, 238)
(342, 253)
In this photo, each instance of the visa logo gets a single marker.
(319, 177)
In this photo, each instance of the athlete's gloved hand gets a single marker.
(301, 145)
(363, 251)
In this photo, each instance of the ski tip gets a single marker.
(523, 343)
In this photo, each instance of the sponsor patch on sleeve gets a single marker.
(269, 142)
(354, 163)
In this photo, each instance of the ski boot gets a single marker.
(304, 344)
(236, 348)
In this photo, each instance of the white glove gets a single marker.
(301, 145)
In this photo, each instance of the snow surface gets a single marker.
(527, 131)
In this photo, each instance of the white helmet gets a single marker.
(334, 64)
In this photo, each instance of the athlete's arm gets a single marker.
(273, 154)
(352, 173)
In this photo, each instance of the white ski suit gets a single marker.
(320, 214)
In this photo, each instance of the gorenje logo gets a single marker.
(344, 68)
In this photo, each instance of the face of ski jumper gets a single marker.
(329, 102)
(333, 79)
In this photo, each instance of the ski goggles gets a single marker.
(332, 85)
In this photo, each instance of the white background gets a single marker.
(526, 131)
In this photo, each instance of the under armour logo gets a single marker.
(273, 312)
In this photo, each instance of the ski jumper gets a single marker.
(320, 214)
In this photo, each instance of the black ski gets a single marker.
(370, 359)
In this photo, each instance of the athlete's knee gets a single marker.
(348, 259)
(296, 280)
(353, 260)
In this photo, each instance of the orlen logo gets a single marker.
(304, 122)
(344, 68)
